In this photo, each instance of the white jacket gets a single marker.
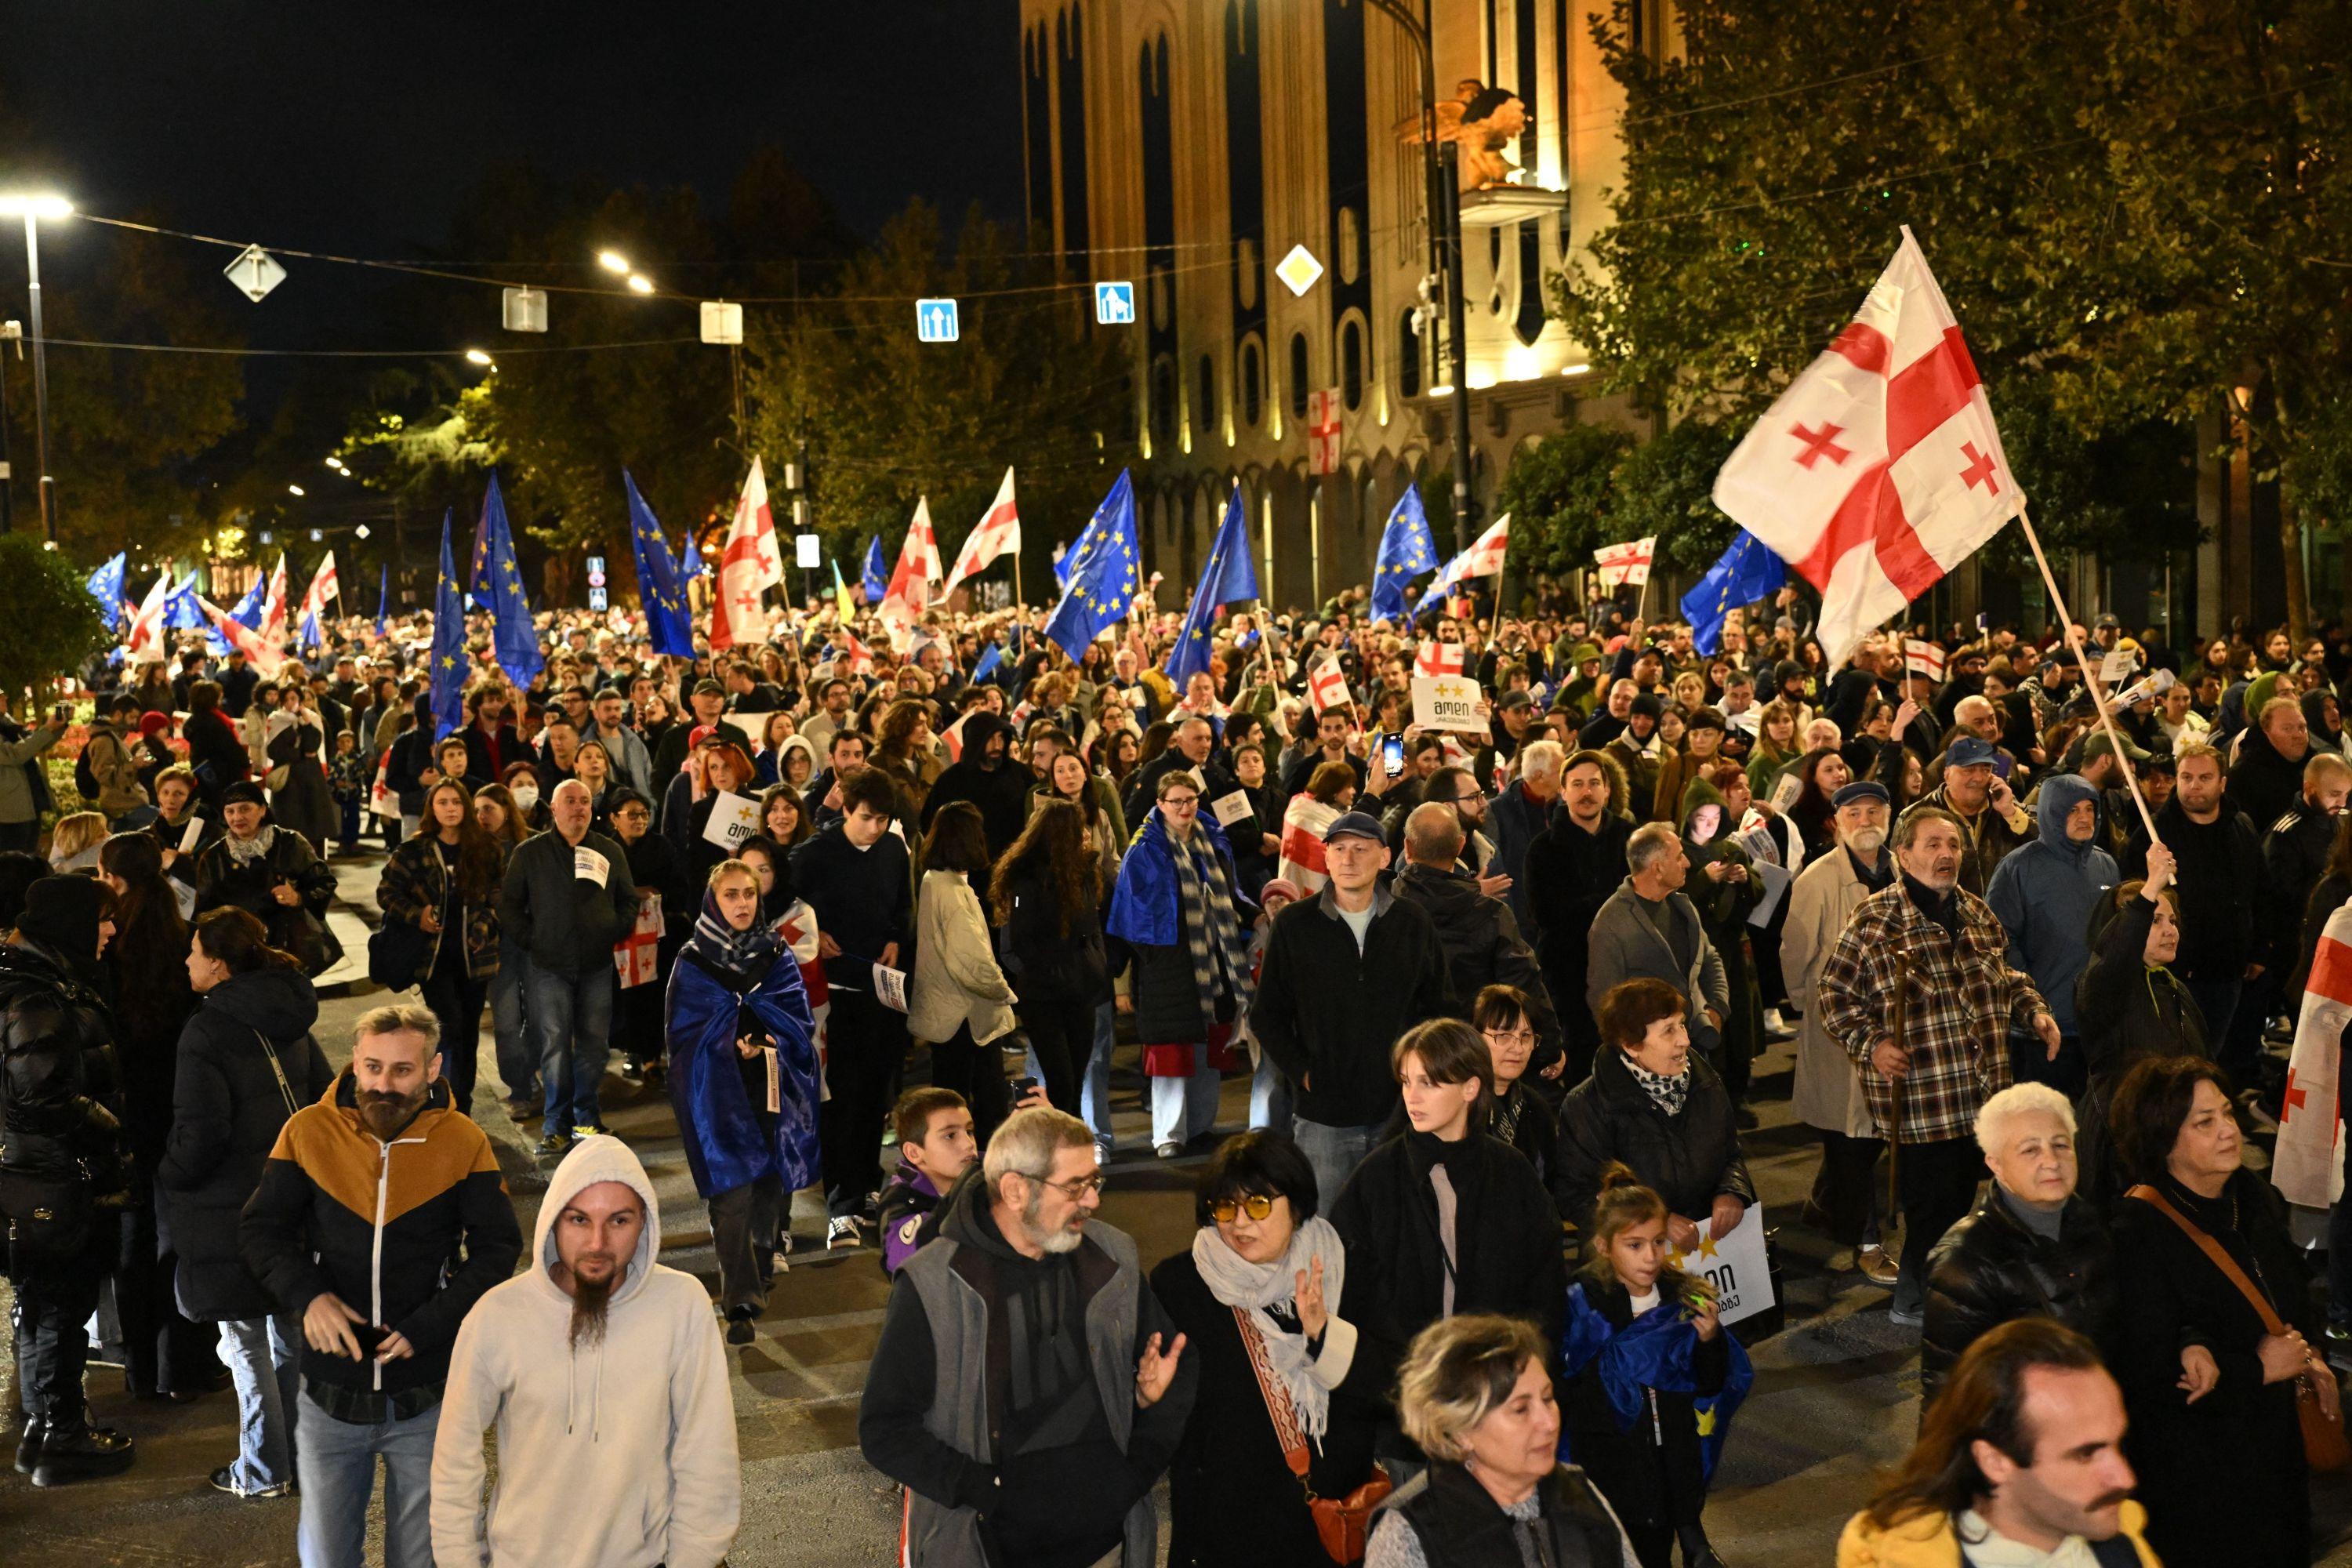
(619, 1454)
(957, 980)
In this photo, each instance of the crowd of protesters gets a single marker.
(1498, 995)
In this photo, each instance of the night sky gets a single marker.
(341, 126)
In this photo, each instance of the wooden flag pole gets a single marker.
(2090, 674)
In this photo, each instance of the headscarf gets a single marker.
(722, 945)
(1252, 1287)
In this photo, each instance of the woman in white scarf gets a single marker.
(1287, 1402)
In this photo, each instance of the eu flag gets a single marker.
(669, 623)
(181, 611)
(247, 613)
(1747, 571)
(1406, 552)
(382, 597)
(449, 665)
(1229, 577)
(692, 565)
(105, 585)
(876, 580)
(986, 665)
(513, 639)
(1106, 573)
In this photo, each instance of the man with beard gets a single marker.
(1931, 939)
(1000, 1393)
(603, 1372)
(1572, 867)
(988, 777)
(366, 1200)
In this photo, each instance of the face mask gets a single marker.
(525, 797)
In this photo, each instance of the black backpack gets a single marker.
(85, 777)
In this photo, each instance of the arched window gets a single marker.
(1204, 407)
(1253, 378)
(1351, 363)
(1299, 388)
(1163, 400)
(1408, 355)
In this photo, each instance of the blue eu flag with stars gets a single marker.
(513, 638)
(875, 577)
(1106, 573)
(1747, 571)
(1229, 577)
(106, 586)
(1406, 552)
(449, 662)
(669, 623)
(383, 595)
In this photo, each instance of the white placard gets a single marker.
(1785, 791)
(188, 836)
(1232, 808)
(1775, 878)
(890, 987)
(733, 818)
(1450, 702)
(588, 864)
(1734, 1266)
(1761, 847)
(2117, 667)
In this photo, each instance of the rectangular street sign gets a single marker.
(935, 320)
(1114, 304)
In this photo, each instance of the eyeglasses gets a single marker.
(1519, 1036)
(1257, 1205)
(1076, 1187)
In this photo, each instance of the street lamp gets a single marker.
(33, 207)
(639, 284)
(612, 261)
(476, 356)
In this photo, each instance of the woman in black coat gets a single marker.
(246, 1061)
(1234, 1500)
(1506, 1255)
(145, 965)
(215, 750)
(2220, 1460)
(272, 875)
(1046, 894)
(2132, 1007)
(1655, 1107)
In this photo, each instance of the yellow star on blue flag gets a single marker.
(1229, 577)
(449, 699)
(1102, 579)
(1407, 550)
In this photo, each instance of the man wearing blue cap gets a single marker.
(1347, 973)
(1992, 821)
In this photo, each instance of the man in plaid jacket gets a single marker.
(1964, 999)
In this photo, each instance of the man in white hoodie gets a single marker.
(603, 1373)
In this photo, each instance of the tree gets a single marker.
(887, 419)
(2137, 213)
(1562, 493)
(1665, 490)
(52, 624)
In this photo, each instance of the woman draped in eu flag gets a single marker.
(1652, 1377)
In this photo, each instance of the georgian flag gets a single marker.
(323, 588)
(1625, 565)
(1326, 687)
(273, 609)
(1880, 468)
(749, 566)
(2307, 1167)
(997, 534)
(1303, 823)
(1435, 658)
(267, 658)
(910, 580)
(1483, 559)
(145, 637)
(1923, 657)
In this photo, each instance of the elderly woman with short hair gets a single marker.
(1475, 1392)
(2032, 1248)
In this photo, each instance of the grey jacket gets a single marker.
(17, 801)
(564, 923)
(632, 763)
(1624, 945)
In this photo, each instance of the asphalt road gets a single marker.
(1836, 1393)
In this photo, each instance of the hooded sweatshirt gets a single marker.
(614, 1453)
(2046, 891)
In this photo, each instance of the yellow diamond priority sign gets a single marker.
(1298, 270)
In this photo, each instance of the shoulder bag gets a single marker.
(45, 1218)
(1341, 1523)
(2324, 1445)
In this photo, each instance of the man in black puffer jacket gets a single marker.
(60, 1100)
(1480, 936)
(2032, 1249)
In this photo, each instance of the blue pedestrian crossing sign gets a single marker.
(935, 320)
(1114, 304)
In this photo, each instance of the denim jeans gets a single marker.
(264, 1357)
(574, 1017)
(336, 1460)
(518, 1053)
(1094, 1086)
(1333, 1154)
(1183, 1109)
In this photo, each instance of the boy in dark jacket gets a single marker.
(936, 1147)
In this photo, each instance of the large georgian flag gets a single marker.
(2305, 1166)
(997, 534)
(912, 579)
(749, 564)
(1880, 468)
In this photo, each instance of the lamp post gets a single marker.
(32, 209)
(1443, 198)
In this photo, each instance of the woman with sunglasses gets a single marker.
(1283, 1390)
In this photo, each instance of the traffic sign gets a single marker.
(1114, 304)
(597, 601)
(807, 550)
(255, 272)
(722, 322)
(523, 309)
(935, 320)
(595, 571)
(1298, 270)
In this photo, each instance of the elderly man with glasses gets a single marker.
(1028, 1388)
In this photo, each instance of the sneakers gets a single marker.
(89, 1453)
(842, 1231)
(1877, 1268)
(590, 1130)
(225, 1480)
(1168, 1150)
(739, 1331)
(554, 1146)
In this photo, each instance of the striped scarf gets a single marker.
(1212, 930)
(723, 945)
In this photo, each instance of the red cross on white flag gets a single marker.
(1625, 565)
(1323, 432)
(323, 588)
(910, 581)
(997, 534)
(1438, 658)
(267, 658)
(2307, 1166)
(748, 565)
(1880, 468)
(1924, 657)
(273, 608)
(144, 638)
(1326, 687)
